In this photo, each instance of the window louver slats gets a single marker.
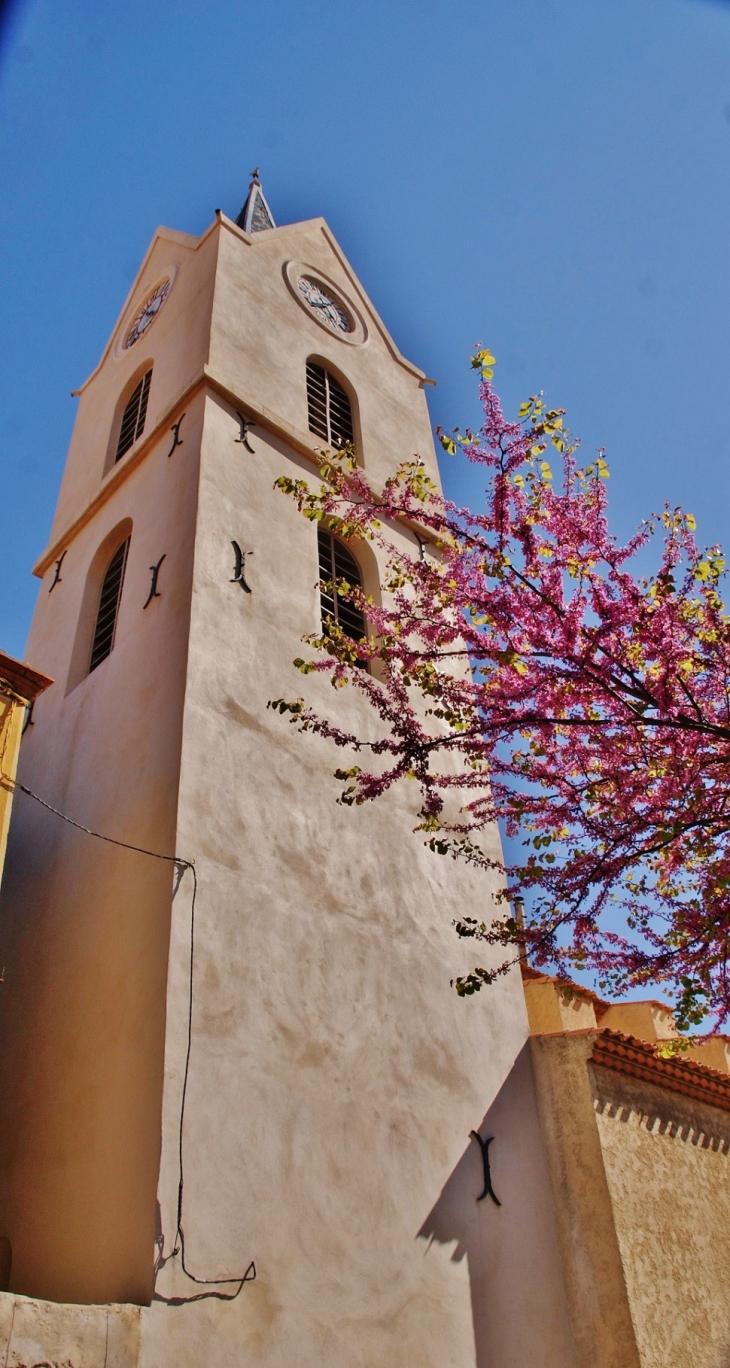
(106, 618)
(340, 415)
(133, 418)
(143, 404)
(317, 400)
(329, 407)
(336, 562)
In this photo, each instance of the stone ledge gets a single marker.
(43, 1334)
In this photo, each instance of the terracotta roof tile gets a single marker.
(638, 1059)
(24, 680)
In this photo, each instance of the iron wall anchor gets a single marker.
(178, 441)
(246, 424)
(239, 573)
(484, 1147)
(57, 577)
(154, 591)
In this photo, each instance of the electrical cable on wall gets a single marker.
(179, 1241)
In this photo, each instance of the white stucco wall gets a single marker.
(334, 1074)
(177, 346)
(84, 925)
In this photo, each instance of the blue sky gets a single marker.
(551, 177)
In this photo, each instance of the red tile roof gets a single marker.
(24, 680)
(639, 1059)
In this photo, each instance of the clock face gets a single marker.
(148, 312)
(323, 304)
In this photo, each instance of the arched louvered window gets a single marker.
(135, 412)
(336, 562)
(329, 407)
(106, 617)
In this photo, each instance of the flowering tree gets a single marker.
(519, 664)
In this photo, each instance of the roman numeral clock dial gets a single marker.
(323, 304)
(148, 313)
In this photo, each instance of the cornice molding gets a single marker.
(294, 438)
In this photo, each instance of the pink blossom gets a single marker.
(593, 722)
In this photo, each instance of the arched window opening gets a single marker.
(106, 617)
(336, 562)
(135, 412)
(329, 407)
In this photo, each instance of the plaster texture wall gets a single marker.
(518, 1295)
(266, 363)
(177, 343)
(334, 1074)
(646, 1020)
(590, 1255)
(667, 1165)
(553, 1007)
(641, 1196)
(12, 714)
(714, 1053)
(84, 925)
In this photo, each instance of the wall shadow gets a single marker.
(518, 1301)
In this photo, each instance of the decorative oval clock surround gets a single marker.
(325, 303)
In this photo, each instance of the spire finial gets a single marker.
(256, 214)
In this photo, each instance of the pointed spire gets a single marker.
(256, 213)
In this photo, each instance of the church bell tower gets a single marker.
(277, 1078)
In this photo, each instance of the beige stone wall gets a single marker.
(84, 926)
(714, 1053)
(334, 1074)
(667, 1165)
(553, 1007)
(521, 1314)
(261, 339)
(639, 1178)
(650, 1021)
(590, 1254)
(12, 713)
(176, 345)
(38, 1334)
